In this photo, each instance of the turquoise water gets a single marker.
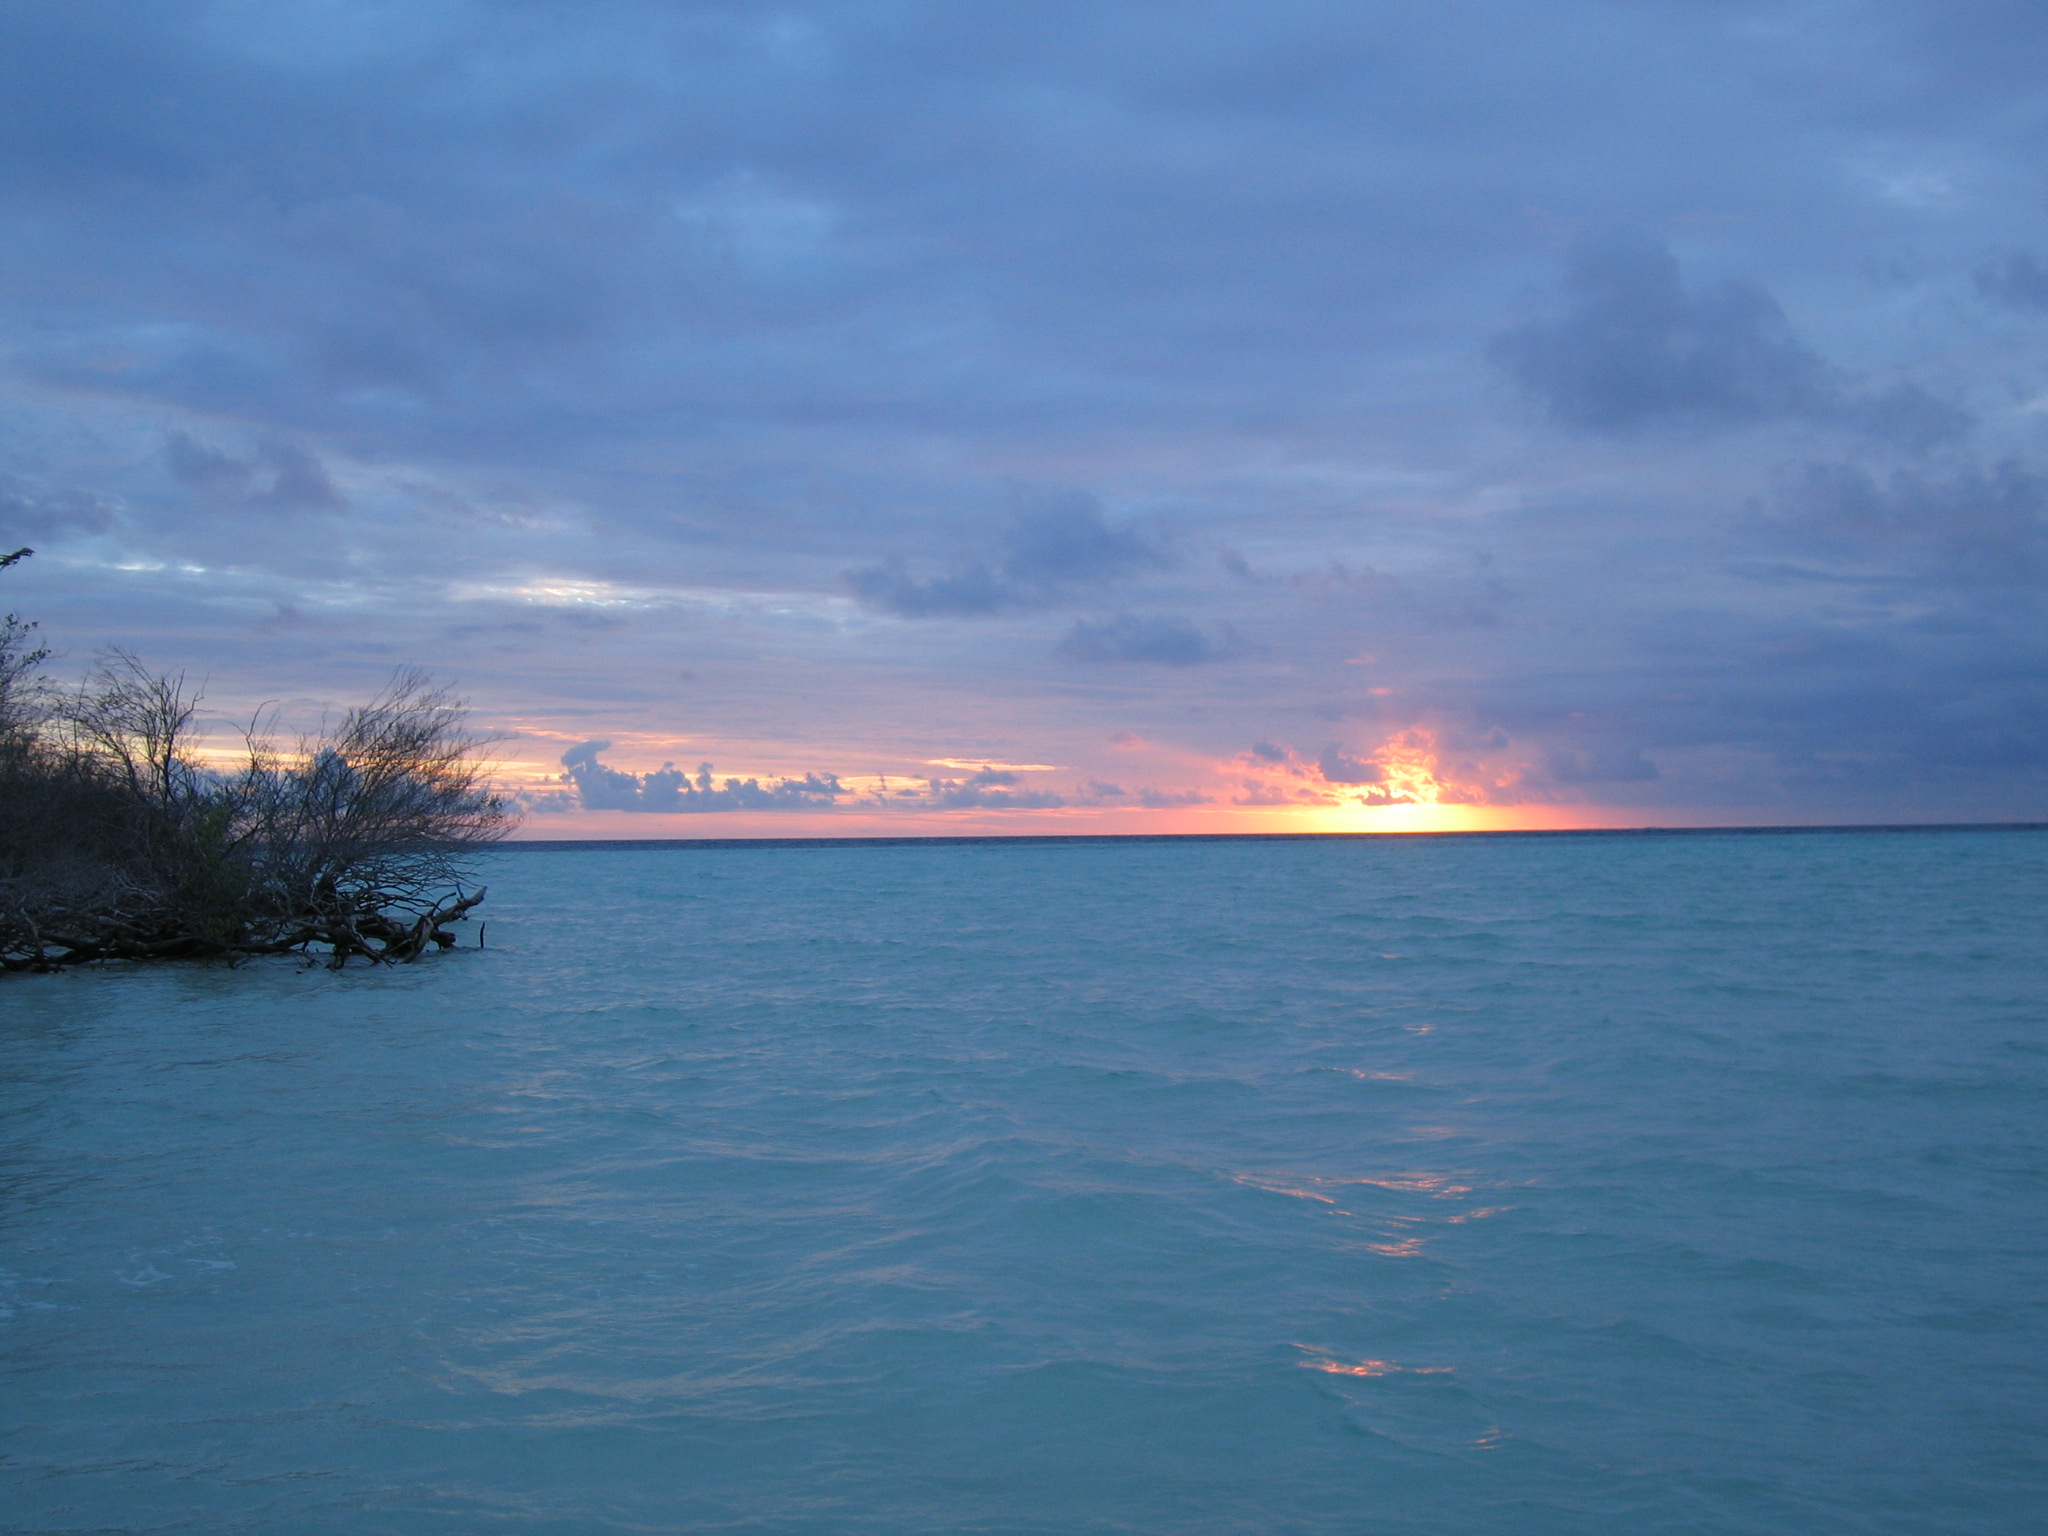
(1574, 1185)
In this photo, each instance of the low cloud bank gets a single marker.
(670, 791)
(589, 784)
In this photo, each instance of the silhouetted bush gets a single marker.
(117, 842)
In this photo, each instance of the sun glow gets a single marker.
(1401, 786)
(1410, 782)
(1408, 767)
(1408, 816)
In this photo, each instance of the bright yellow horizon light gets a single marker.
(1409, 816)
(1441, 817)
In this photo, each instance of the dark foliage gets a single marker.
(118, 842)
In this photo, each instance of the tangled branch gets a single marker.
(117, 842)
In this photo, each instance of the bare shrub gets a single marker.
(118, 842)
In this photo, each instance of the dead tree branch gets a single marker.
(117, 842)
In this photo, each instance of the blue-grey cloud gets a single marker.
(2019, 281)
(571, 355)
(989, 789)
(970, 591)
(1045, 552)
(1599, 765)
(1336, 767)
(280, 476)
(1986, 524)
(28, 510)
(670, 791)
(1154, 799)
(1164, 640)
(1638, 350)
(594, 785)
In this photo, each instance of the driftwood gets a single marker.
(372, 935)
(116, 843)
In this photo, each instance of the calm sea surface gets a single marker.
(1503, 1185)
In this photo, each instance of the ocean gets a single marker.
(1516, 1184)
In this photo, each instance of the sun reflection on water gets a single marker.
(1323, 1360)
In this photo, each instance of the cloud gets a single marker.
(1636, 349)
(669, 791)
(717, 306)
(32, 511)
(1263, 792)
(1409, 767)
(1336, 768)
(1612, 765)
(1906, 416)
(1153, 799)
(1990, 525)
(990, 789)
(1863, 696)
(1047, 551)
(1165, 641)
(281, 476)
(2019, 281)
(968, 592)
(1070, 543)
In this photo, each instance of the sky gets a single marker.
(953, 417)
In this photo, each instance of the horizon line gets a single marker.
(961, 839)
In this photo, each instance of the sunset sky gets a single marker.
(1035, 417)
